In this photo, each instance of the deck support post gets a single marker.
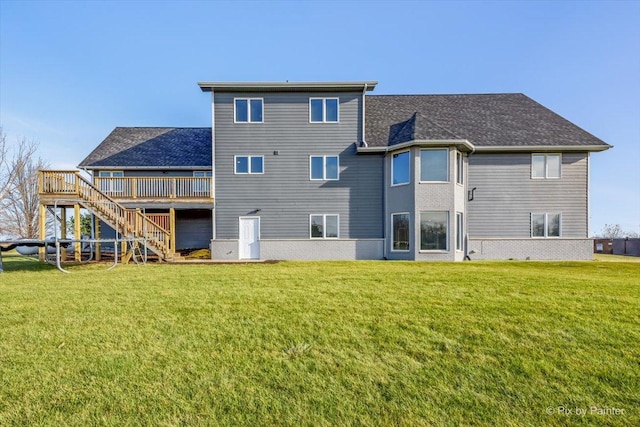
(97, 232)
(42, 252)
(63, 230)
(172, 229)
(76, 232)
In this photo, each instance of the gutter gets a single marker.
(460, 143)
(543, 148)
(364, 113)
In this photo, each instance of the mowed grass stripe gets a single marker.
(319, 343)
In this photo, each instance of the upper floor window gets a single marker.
(459, 168)
(323, 110)
(400, 167)
(324, 226)
(545, 224)
(545, 165)
(202, 186)
(248, 110)
(434, 165)
(111, 185)
(249, 164)
(324, 167)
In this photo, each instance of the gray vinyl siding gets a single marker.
(284, 194)
(193, 229)
(505, 195)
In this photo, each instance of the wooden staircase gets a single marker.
(131, 223)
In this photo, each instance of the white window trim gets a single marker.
(324, 168)
(250, 157)
(324, 227)
(391, 175)
(448, 233)
(448, 168)
(546, 166)
(546, 225)
(248, 109)
(459, 232)
(324, 110)
(393, 234)
(459, 168)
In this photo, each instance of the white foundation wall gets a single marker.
(300, 249)
(533, 249)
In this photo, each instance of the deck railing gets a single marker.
(155, 187)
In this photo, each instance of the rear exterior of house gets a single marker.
(327, 171)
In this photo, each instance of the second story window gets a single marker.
(248, 110)
(323, 110)
(434, 165)
(324, 168)
(400, 167)
(545, 166)
(249, 165)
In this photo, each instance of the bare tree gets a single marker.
(19, 213)
(615, 231)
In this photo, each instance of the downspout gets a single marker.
(213, 164)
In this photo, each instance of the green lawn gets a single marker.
(324, 343)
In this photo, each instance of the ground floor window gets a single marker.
(324, 226)
(459, 231)
(400, 231)
(545, 224)
(434, 231)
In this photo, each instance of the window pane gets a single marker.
(316, 110)
(553, 225)
(332, 167)
(400, 166)
(537, 166)
(118, 174)
(241, 110)
(256, 110)
(332, 110)
(433, 165)
(316, 226)
(400, 232)
(553, 166)
(537, 225)
(459, 232)
(332, 226)
(459, 167)
(433, 230)
(256, 164)
(316, 167)
(242, 164)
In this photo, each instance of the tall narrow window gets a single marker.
(434, 165)
(459, 168)
(546, 166)
(324, 226)
(400, 167)
(459, 232)
(324, 168)
(323, 110)
(434, 231)
(545, 224)
(248, 110)
(400, 231)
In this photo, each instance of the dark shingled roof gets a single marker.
(152, 148)
(484, 120)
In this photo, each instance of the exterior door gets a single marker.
(249, 239)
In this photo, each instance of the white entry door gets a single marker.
(249, 239)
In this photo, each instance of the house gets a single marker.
(325, 170)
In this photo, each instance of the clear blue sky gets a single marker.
(72, 71)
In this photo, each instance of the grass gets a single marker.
(324, 343)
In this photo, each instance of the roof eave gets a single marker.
(356, 86)
(543, 148)
(461, 144)
(92, 167)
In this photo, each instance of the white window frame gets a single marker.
(546, 165)
(111, 187)
(409, 175)
(459, 168)
(235, 113)
(324, 226)
(324, 168)
(393, 232)
(250, 158)
(447, 233)
(447, 162)
(546, 225)
(324, 110)
(459, 231)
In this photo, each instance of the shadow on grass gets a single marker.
(13, 261)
